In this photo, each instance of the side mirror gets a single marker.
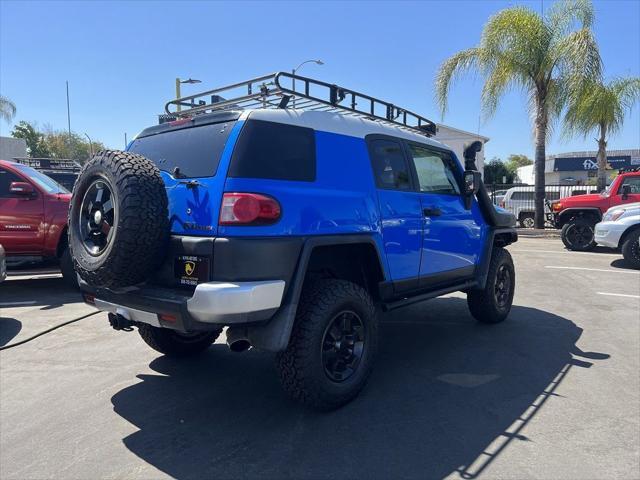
(472, 179)
(626, 190)
(23, 189)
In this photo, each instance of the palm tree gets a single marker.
(7, 109)
(548, 57)
(602, 107)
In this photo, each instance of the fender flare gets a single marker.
(577, 210)
(274, 335)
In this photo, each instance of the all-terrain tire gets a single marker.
(631, 249)
(140, 220)
(492, 304)
(66, 267)
(177, 344)
(579, 234)
(301, 366)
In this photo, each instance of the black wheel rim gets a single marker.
(97, 217)
(343, 346)
(580, 235)
(503, 286)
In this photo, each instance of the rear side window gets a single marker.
(390, 165)
(194, 151)
(434, 171)
(275, 151)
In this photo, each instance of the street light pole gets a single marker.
(178, 94)
(293, 80)
(90, 144)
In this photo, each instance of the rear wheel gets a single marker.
(332, 347)
(493, 303)
(527, 220)
(69, 275)
(177, 344)
(578, 234)
(631, 249)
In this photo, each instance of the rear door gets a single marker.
(400, 211)
(21, 218)
(452, 239)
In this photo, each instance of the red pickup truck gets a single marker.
(33, 216)
(578, 215)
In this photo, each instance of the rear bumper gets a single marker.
(211, 305)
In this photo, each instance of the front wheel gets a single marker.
(578, 234)
(527, 220)
(332, 347)
(177, 344)
(631, 249)
(493, 303)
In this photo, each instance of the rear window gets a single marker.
(195, 151)
(274, 151)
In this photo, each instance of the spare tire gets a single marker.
(118, 220)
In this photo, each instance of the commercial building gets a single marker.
(579, 168)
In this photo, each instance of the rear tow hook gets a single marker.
(118, 322)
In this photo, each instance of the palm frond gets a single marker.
(450, 70)
(564, 14)
(7, 109)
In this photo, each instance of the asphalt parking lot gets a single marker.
(554, 392)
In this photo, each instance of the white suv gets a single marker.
(620, 228)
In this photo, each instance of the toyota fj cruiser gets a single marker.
(290, 226)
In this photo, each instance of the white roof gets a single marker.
(337, 123)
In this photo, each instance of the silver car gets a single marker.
(620, 228)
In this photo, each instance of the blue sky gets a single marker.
(121, 58)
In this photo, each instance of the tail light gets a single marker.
(248, 209)
(556, 206)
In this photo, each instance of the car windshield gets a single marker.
(607, 191)
(194, 151)
(48, 184)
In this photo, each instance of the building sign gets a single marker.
(569, 164)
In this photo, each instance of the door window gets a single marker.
(6, 179)
(633, 182)
(390, 166)
(434, 171)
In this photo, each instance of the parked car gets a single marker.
(577, 216)
(3, 265)
(64, 172)
(290, 227)
(520, 201)
(620, 228)
(33, 217)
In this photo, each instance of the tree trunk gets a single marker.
(602, 158)
(540, 158)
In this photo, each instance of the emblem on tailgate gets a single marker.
(189, 267)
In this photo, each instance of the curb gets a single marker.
(538, 233)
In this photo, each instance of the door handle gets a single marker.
(432, 212)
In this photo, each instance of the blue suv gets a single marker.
(291, 216)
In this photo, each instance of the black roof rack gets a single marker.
(628, 170)
(49, 164)
(286, 90)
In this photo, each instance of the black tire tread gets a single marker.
(143, 224)
(481, 303)
(627, 246)
(165, 341)
(293, 365)
(578, 221)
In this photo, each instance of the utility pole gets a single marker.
(68, 119)
(125, 140)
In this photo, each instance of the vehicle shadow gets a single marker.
(9, 328)
(447, 395)
(47, 293)
(622, 263)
